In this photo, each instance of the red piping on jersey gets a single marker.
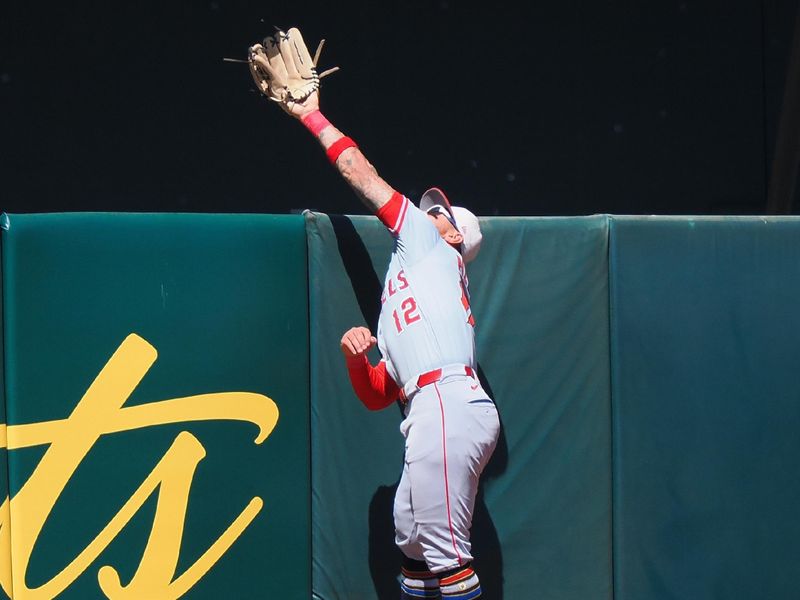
(402, 219)
(446, 484)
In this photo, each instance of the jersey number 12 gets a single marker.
(409, 314)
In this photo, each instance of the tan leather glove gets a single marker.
(283, 69)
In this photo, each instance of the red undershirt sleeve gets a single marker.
(373, 385)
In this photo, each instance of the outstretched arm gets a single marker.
(348, 159)
(285, 72)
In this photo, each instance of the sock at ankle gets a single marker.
(418, 582)
(460, 584)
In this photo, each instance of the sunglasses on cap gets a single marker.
(438, 209)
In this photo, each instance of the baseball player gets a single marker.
(425, 335)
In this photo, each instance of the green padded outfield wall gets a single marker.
(5, 541)
(706, 389)
(160, 373)
(542, 525)
(156, 395)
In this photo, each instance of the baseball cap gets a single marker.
(464, 221)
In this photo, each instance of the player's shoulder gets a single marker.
(393, 213)
(402, 217)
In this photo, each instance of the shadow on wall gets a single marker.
(486, 548)
(384, 557)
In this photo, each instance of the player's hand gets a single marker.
(301, 109)
(357, 341)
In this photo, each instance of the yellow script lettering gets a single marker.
(99, 412)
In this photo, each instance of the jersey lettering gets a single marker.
(401, 277)
(392, 288)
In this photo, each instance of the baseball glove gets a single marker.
(283, 69)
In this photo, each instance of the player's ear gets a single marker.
(454, 237)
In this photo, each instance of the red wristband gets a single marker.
(315, 122)
(338, 147)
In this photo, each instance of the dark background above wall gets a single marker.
(513, 108)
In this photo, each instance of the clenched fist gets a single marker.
(357, 341)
